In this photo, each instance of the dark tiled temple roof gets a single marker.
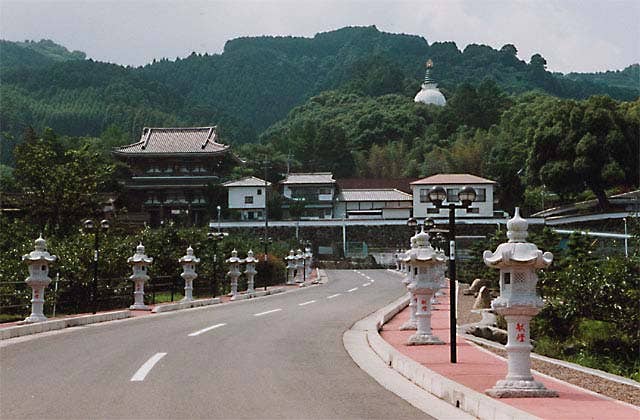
(164, 141)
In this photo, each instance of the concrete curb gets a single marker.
(164, 309)
(468, 400)
(58, 324)
(175, 306)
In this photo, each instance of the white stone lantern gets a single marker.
(140, 264)
(291, 267)
(308, 256)
(189, 274)
(234, 273)
(411, 323)
(426, 265)
(403, 265)
(250, 272)
(38, 264)
(299, 266)
(518, 302)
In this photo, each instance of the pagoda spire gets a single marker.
(428, 80)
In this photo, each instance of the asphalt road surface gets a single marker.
(275, 357)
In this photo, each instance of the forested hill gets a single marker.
(31, 53)
(628, 78)
(255, 82)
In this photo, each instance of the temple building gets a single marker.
(175, 171)
(430, 94)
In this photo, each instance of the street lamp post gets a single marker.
(90, 226)
(466, 195)
(215, 237)
(218, 208)
(266, 241)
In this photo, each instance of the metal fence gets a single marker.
(64, 296)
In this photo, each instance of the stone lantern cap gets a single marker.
(139, 257)
(291, 256)
(189, 258)
(421, 250)
(234, 257)
(299, 254)
(517, 251)
(40, 254)
(250, 258)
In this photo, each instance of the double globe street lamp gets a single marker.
(438, 195)
(90, 226)
(266, 241)
(215, 237)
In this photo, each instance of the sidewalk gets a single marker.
(479, 369)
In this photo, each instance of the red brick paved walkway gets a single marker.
(479, 369)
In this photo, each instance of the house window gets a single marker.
(424, 196)
(259, 191)
(248, 199)
(324, 191)
(452, 195)
(473, 210)
(433, 210)
(481, 195)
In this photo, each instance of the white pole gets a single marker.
(626, 240)
(344, 239)
(55, 296)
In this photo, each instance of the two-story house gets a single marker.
(310, 193)
(481, 207)
(249, 196)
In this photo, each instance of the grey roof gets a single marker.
(161, 141)
(390, 194)
(247, 181)
(309, 178)
(452, 179)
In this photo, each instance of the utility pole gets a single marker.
(265, 164)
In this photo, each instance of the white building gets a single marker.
(249, 196)
(429, 93)
(481, 207)
(314, 191)
(388, 203)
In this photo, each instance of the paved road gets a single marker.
(277, 357)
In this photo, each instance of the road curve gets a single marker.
(277, 357)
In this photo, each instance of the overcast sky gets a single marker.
(583, 35)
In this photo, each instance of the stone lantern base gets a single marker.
(34, 318)
(423, 339)
(520, 389)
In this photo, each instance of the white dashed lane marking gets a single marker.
(333, 296)
(267, 312)
(366, 284)
(204, 330)
(146, 368)
(352, 290)
(306, 303)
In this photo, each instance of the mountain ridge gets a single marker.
(256, 81)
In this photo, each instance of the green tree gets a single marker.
(585, 143)
(62, 186)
